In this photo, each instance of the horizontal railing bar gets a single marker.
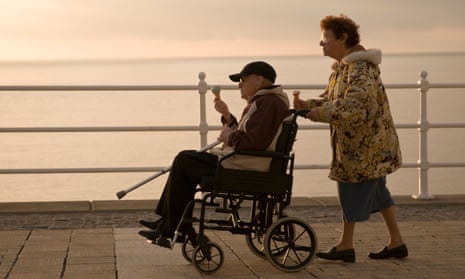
(324, 126)
(434, 165)
(131, 87)
(447, 85)
(447, 125)
(303, 86)
(154, 169)
(193, 87)
(447, 165)
(311, 166)
(78, 170)
(407, 126)
(99, 129)
(399, 126)
(181, 128)
(404, 165)
(431, 85)
(91, 88)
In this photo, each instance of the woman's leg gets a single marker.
(344, 249)
(389, 215)
(396, 247)
(347, 237)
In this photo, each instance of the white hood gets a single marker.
(372, 55)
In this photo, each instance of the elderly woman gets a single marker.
(364, 142)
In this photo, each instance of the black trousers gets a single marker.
(187, 170)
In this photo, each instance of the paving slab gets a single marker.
(105, 244)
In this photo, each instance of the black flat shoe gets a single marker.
(333, 255)
(150, 235)
(398, 252)
(150, 224)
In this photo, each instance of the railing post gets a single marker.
(423, 124)
(203, 126)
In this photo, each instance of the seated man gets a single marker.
(259, 127)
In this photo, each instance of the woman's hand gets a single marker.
(313, 115)
(299, 103)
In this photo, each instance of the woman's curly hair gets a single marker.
(342, 24)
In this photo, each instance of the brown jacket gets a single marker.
(258, 129)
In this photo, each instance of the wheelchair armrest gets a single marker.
(277, 175)
(256, 153)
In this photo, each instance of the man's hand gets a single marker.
(225, 132)
(222, 108)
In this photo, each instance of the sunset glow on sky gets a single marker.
(118, 29)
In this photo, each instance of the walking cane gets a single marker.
(123, 193)
(216, 91)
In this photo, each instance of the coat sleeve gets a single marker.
(358, 102)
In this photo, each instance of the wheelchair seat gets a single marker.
(278, 180)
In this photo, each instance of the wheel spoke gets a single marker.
(283, 262)
(278, 249)
(298, 259)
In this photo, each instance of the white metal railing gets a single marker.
(422, 126)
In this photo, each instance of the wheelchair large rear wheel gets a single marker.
(290, 244)
(208, 258)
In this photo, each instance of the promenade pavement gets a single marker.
(99, 240)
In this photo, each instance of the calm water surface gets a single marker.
(151, 149)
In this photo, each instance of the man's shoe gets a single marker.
(150, 224)
(398, 252)
(150, 235)
(333, 255)
(162, 242)
(181, 238)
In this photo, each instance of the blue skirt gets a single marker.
(359, 200)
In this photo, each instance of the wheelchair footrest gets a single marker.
(220, 222)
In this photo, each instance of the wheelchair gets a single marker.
(288, 243)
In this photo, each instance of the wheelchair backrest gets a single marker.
(285, 143)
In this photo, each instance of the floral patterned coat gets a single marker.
(363, 138)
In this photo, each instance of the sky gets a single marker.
(124, 29)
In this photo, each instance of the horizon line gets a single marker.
(153, 58)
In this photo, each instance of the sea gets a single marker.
(181, 108)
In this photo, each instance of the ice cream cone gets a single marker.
(216, 91)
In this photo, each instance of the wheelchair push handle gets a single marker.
(301, 112)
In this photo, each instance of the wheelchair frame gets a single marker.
(289, 243)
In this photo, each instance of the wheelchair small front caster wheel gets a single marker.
(187, 249)
(208, 258)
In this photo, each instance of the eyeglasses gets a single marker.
(327, 36)
(243, 79)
